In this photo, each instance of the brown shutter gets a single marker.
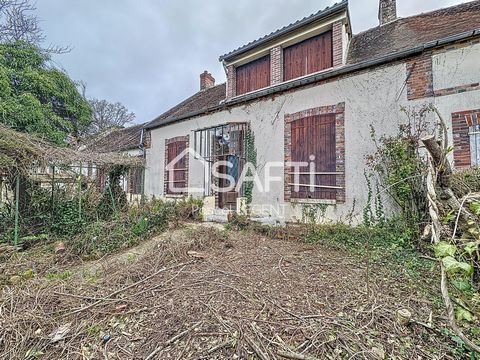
(315, 135)
(180, 168)
(253, 76)
(309, 56)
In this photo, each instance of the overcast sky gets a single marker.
(148, 54)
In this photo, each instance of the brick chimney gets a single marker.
(387, 11)
(206, 80)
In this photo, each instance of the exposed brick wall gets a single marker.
(420, 77)
(337, 38)
(457, 89)
(276, 65)
(231, 82)
(187, 163)
(339, 111)
(461, 122)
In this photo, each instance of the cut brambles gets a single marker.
(246, 295)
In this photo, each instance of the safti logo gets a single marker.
(231, 173)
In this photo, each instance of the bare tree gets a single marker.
(18, 22)
(107, 115)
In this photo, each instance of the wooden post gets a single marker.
(52, 197)
(80, 194)
(113, 199)
(17, 202)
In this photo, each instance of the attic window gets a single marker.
(253, 76)
(307, 57)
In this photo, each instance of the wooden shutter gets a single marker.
(135, 179)
(177, 177)
(253, 76)
(308, 57)
(315, 136)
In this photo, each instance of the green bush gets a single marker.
(66, 218)
(389, 239)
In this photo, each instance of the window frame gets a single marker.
(173, 148)
(304, 46)
(251, 72)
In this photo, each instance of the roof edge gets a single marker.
(324, 75)
(343, 5)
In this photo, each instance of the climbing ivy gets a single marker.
(251, 157)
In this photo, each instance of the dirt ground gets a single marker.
(201, 292)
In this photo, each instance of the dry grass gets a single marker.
(202, 293)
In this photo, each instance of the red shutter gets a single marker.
(309, 56)
(177, 177)
(315, 136)
(253, 76)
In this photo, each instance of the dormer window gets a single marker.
(307, 57)
(253, 75)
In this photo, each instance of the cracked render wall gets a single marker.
(372, 98)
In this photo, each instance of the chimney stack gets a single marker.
(387, 11)
(206, 80)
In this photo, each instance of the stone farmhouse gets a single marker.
(310, 92)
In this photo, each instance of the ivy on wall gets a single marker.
(251, 157)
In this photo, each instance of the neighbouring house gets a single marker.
(131, 141)
(310, 93)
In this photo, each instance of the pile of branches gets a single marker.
(455, 232)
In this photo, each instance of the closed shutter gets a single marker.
(308, 57)
(253, 76)
(313, 141)
(177, 175)
(135, 181)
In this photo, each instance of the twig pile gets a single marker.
(208, 294)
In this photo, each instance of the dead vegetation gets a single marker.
(205, 293)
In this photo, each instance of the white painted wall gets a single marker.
(457, 67)
(372, 99)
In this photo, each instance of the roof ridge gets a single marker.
(198, 95)
(426, 13)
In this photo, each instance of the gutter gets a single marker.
(321, 76)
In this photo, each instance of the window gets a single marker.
(313, 142)
(466, 139)
(474, 133)
(309, 56)
(135, 181)
(176, 167)
(253, 76)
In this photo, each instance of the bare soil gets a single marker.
(203, 293)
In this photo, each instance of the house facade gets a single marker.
(299, 105)
(129, 142)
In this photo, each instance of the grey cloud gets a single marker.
(148, 54)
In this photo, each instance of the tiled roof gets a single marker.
(343, 5)
(408, 33)
(116, 140)
(201, 101)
